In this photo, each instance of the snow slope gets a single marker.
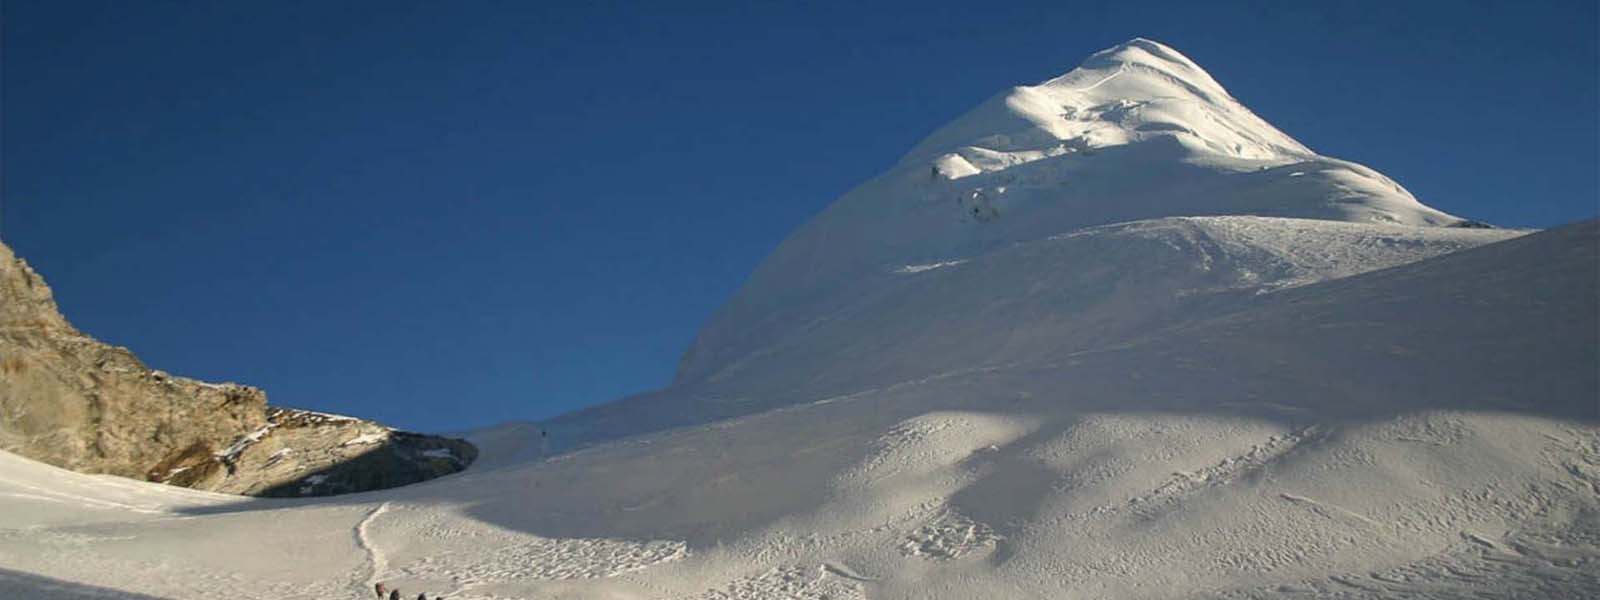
(1146, 367)
(1427, 430)
(1077, 291)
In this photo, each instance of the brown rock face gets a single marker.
(74, 402)
(303, 453)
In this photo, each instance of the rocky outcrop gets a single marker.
(304, 453)
(69, 400)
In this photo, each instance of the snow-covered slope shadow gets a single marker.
(14, 584)
(1510, 327)
(1436, 417)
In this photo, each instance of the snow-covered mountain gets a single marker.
(1111, 336)
(1004, 202)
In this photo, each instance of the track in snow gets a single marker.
(377, 563)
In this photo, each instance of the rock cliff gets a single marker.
(75, 402)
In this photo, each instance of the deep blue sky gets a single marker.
(442, 215)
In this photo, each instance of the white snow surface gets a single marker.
(1423, 431)
(1161, 389)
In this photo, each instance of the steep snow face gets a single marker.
(1028, 303)
(1137, 132)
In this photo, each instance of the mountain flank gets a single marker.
(72, 401)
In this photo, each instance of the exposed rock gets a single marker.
(74, 402)
(303, 453)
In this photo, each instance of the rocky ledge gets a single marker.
(72, 401)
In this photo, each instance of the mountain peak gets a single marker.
(1137, 132)
(1135, 91)
(1144, 51)
(1147, 59)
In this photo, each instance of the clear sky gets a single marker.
(450, 214)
